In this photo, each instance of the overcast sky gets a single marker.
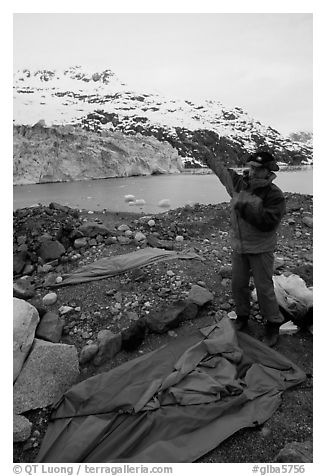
(261, 62)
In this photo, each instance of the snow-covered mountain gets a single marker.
(100, 101)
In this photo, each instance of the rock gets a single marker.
(28, 269)
(153, 241)
(110, 240)
(190, 312)
(92, 228)
(25, 321)
(179, 238)
(232, 315)
(139, 236)
(295, 452)
(151, 223)
(65, 309)
(45, 237)
(19, 261)
(46, 268)
(49, 299)
(201, 283)
(308, 221)
(225, 306)
(169, 318)
(49, 371)
(132, 337)
(144, 219)
(22, 247)
(199, 295)
(132, 316)
(123, 240)
(291, 221)
(58, 279)
(21, 239)
(50, 250)
(172, 334)
(21, 428)
(49, 280)
(23, 289)
(266, 432)
(87, 353)
(278, 262)
(226, 272)
(50, 328)
(109, 345)
(80, 243)
(128, 233)
(61, 208)
(123, 227)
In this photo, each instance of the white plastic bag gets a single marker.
(292, 294)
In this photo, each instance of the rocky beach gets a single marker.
(102, 323)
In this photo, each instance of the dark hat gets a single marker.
(263, 159)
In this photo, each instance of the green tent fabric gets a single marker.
(114, 265)
(171, 405)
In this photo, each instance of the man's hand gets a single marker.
(244, 199)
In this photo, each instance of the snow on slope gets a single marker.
(73, 96)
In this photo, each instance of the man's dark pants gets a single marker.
(261, 267)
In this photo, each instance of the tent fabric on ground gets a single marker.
(114, 265)
(173, 404)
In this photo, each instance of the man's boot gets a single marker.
(271, 333)
(241, 323)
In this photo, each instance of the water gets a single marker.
(179, 189)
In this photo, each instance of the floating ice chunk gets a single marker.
(140, 201)
(164, 203)
(130, 198)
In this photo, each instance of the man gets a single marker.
(257, 206)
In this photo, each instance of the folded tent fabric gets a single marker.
(171, 405)
(114, 265)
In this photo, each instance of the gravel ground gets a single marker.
(205, 230)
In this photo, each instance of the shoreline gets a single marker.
(188, 171)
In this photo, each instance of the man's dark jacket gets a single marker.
(257, 207)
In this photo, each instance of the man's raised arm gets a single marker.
(225, 175)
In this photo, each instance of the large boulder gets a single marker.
(19, 261)
(25, 321)
(51, 250)
(199, 295)
(21, 428)
(23, 289)
(87, 353)
(49, 371)
(50, 328)
(190, 311)
(133, 336)
(161, 321)
(109, 344)
(296, 452)
(92, 228)
(308, 221)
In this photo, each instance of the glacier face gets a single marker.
(69, 153)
